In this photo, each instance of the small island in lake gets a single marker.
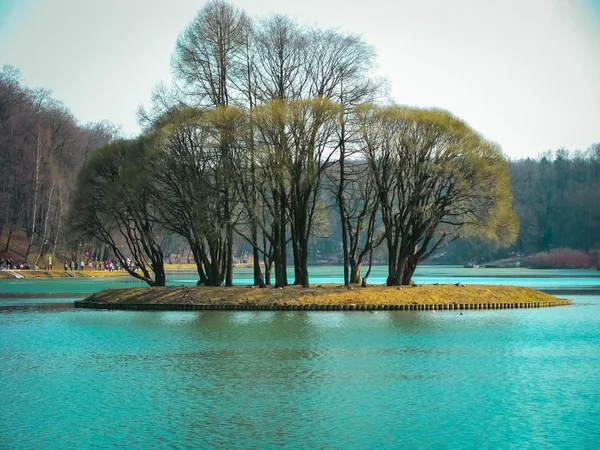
(322, 297)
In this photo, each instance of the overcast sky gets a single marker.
(525, 73)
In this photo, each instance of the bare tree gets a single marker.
(206, 51)
(281, 67)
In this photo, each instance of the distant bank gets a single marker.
(61, 273)
(80, 273)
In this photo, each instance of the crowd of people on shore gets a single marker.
(110, 265)
(10, 264)
(71, 265)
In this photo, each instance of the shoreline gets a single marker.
(322, 298)
(31, 274)
(174, 268)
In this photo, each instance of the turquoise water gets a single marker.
(75, 378)
(540, 279)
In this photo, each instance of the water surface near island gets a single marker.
(76, 378)
(540, 279)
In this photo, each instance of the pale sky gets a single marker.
(524, 73)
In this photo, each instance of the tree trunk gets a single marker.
(410, 261)
(396, 277)
(280, 269)
(393, 279)
(304, 278)
(160, 278)
(303, 272)
(341, 203)
(268, 258)
(202, 278)
(363, 283)
(38, 146)
(43, 246)
(229, 269)
(409, 270)
(60, 212)
(258, 279)
(355, 273)
(347, 277)
(283, 239)
(401, 265)
(278, 257)
(297, 268)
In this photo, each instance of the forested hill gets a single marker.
(557, 198)
(42, 149)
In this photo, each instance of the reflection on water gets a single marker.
(39, 306)
(300, 379)
(76, 378)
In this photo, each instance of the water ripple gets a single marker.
(488, 379)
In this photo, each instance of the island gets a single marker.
(426, 297)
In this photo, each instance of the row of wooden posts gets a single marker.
(283, 307)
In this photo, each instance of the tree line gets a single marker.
(557, 200)
(555, 197)
(42, 148)
(264, 121)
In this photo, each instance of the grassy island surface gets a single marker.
(433, 296)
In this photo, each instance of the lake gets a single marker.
(79, 378)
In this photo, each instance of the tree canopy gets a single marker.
(265, 118)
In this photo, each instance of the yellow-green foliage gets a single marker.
(326, 295)
(475, 165)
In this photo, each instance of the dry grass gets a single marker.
(325, 295)
(180, 266)
(69, 274)
(192, 266)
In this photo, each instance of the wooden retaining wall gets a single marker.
(351, 307)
